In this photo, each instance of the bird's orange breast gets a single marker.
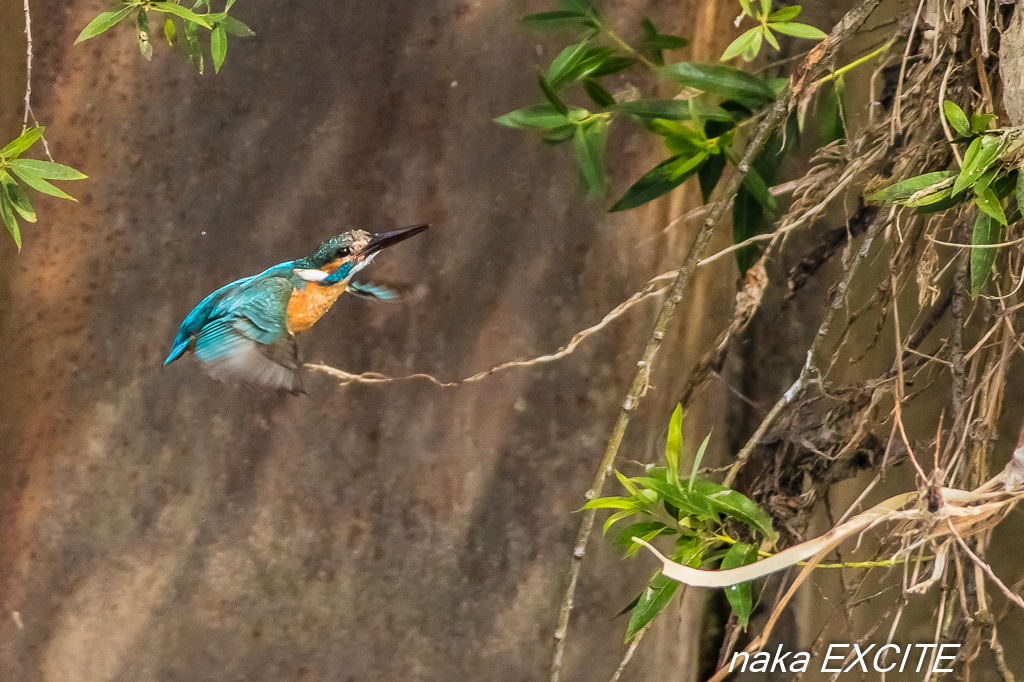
(307, 305)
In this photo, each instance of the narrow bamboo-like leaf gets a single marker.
(930, 195)
(1019, 190)
(178, 10)
(747, 221)
(661, 179)
(753, 181)
(766, 7)
(785, 14)
(650, 33)
(22, 142)
(611, 503)
(551, 96)
(590, 140)
(739, 596)
(19, 200)
(769, 36)
(626, 483)
(218, 46)
(696, 462)
(623, 538)
(987, 202)
(236, 27)
(48, 170)
(755, 46)
(652, 601)
(674, 444)
(616, 517)
(169, 31)
(986, 231)
(143, 35)
(195, 53)
(957, 118)
(606, 66)
(668, 109)
(540, 116)
(559, 19)
(734, 504)
(9, 220)
(831, 118)
(666, 41)
(799, 30)
(104, 20)
(981, 154)
(903, 190)
(596, 92)
(709, 175)
(741, 44)
(722, 80)
(564, 64)
(37, 182)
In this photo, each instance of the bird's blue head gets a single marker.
(342, 256)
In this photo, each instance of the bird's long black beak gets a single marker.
(386, 239)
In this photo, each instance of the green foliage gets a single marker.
(219, 24)
(700, 516)
(748, 45)
(987, 178)
(14, 200)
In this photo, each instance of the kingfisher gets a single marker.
(245, 331)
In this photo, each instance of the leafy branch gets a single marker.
(219, 24)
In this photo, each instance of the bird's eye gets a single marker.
(342, 252)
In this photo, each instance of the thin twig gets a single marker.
(28, 69)
(640, 385)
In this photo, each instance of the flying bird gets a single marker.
(245, 331)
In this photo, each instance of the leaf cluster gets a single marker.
(15, 171)
(987, 177)
(748, 45)
(700, 516)
(181, 27)
(698, 126)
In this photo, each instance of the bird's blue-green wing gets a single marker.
(249, 341)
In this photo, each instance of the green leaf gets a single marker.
(747, 221)
(178, 10)
(668, 109)
(565, 64)
(143, 36)
(104, 21)
(957, 118)
(733, 504)
(22, 142)
(623, 538)
(652, 600)
(661, 179)
(831, 120)
(722, 80)
(169, 31)
(986, 231)
(753, 181)
(988, 202)
(709, 175)
(596, 92)
(19, 200)
(218, 46)
(931, 195)
(540, 116)
(612, 503)
(236, 28)
(666, 41)
(559, 19)
(741, 44)
(740, 554)
(590, 140)
(901, 191)
(981, 154)
(551, 96)
(195, 54)
(32, 178)
(9, 220)
(687, 141)
(785, 14)
(617, 516)
(48, 169)
(770, 37)
(799, 30)
(981, 122)
(674, 444)
(696, 462)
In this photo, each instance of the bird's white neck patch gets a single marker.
(311, 275)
